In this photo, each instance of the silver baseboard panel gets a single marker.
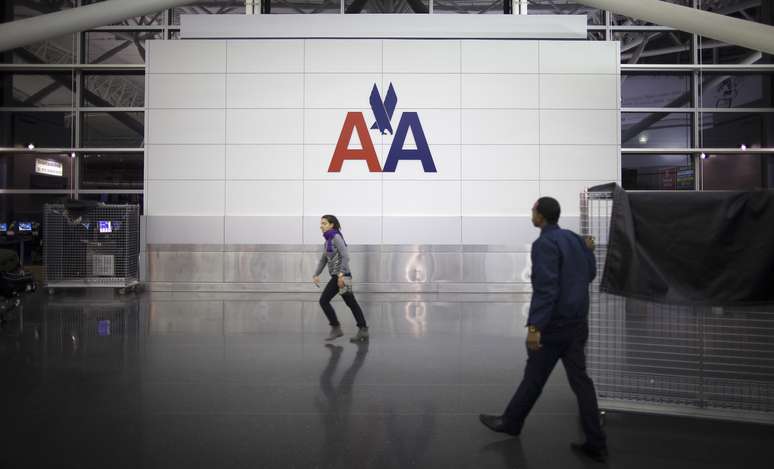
(375, 268)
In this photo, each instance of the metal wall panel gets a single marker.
(181, 266)
(375, 268)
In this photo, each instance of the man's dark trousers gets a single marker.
(565, 341)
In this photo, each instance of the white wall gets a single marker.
(240, 133)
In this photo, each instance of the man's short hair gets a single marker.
(549, 208)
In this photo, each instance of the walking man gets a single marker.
(563, 266)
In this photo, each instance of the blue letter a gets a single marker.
(397, 152)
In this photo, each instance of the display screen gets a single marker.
(103, 327)
(105, 227)
(3, 226)
(25, 226)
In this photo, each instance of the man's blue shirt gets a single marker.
(562, 269)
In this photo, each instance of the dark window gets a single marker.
(113, 129)
(37, 89)
(728, 90)
(109, 198)
(117, 47)
(36, 171)
(44, 129)
(111, 171)
(735, 172)
(552, 7)
(654, 47)
(210, 7)
(657, 172)
(656, 130)
(114, 89)
(655, 89)
(734, 129)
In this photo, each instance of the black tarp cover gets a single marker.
(699, 248)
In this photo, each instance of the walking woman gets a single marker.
(336, 255)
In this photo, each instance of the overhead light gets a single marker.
(743, 147)
(643, 138)
(72, 155)
(703, 156)
(31, 146)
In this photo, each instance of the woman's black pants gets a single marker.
(330, 291)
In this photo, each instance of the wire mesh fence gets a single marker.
(713, 362)
(96, 247)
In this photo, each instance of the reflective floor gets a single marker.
(245, 381)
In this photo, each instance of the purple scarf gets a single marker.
(329, 235)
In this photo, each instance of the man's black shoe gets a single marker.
(597, 454)
(496, 424)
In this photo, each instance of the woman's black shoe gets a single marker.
(597, 454)
(497, 424)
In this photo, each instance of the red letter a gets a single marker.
(356, 121)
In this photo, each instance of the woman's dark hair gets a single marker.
(549, 208)
(333, 221)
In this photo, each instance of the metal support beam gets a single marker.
(755, 36)
(40, 28)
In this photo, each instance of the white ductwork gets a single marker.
(40, 28)
(755, 36)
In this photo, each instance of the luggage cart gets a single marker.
(697, 361)
(96, 246)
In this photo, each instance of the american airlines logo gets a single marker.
(383, 110)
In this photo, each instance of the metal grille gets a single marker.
(96, 247)
(674, 359)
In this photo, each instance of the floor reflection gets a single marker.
(335, 407)
(200, 381)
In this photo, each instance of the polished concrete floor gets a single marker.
(245, 381)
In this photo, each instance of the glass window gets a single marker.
(564, 7)
(117, 47)
(620, 20)
(376, 6)
(464, 7)
(209, 7)
(734, 172)
(36, 89)
(657, 172)
(656, 130)
(111, 171)
(36, 171)
(58, 50)
(596, 36)
(43, 129)
(750, 11)
(21, 9)
(655, 89)
(306, 6)
(716, 52)
(728, 90)
(734, 129)
(654, 47)
(109, 198)
(152, 19)
(112, 129)
(114, 89)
